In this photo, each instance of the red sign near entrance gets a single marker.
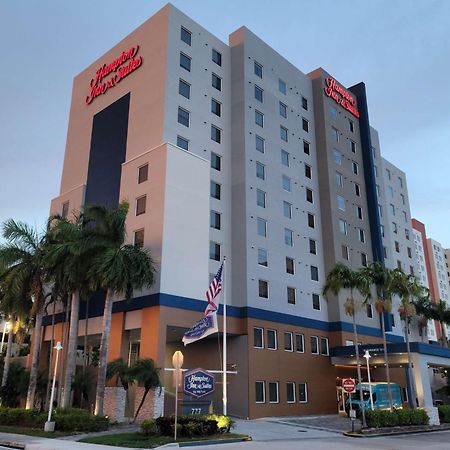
(340, 95)
(349, 385)
(114, 72)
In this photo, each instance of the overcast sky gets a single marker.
(400, 49)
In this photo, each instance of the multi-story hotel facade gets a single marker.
(228, 150)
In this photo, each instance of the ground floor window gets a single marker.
(290, 392)
(273, 392)
(302, 392)
(260, 391)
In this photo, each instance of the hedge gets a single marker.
(400, 417)
(70, 419)
(444, 413)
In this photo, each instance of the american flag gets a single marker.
(213, 291)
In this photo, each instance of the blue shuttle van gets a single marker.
(380, 397)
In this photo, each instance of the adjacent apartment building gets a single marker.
(228, 150)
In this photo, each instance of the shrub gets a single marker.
(444, 413)
(192, 426)
(149, 427)
(73, 419)
(30, 418)
(399, 417)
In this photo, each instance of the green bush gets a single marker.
(29, 418)
(190, 426)
(400, 417)
(444, 413)
(73, 419)
(149, 427)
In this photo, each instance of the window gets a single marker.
(259, 118)
(262, 257)
(214, 251)
(324, 346)
(342, 226)
(391, 190)
(186, 36)
(314, 273)
(184, 88)
(286, 183)
(260, 170)
(351, 125)
(285, 158)
(309, 195)
(214, 220)
(355, 167)
(340, 202)
(64, 209)
(405, 217)
(357, 190)
(273, 392)
(311, 220)
(183, 117)
(272, 339)
(380, 210)
(316, 302)
(392, 209)
(400, 181)
(353, 146)
(344, 250)
(290, 266)
(408, 249)
(334, 134)
(290, 392)
(260, 392)
(337, 156)
(402, 196)
(369, 311)
(299, 343)
(261, 225)
(333, 112)
(216, 134)
(138, 238)
(339, 179)
(216, 107)
(314, 345)
(182, 143)
(388, 174)
(397, 246)
(261, 198)
(312, 247)
(407, 234)
(291, 295)
(359, 212)
(141, 203)
(283, 110)
(363, 259)
(306, 148)
(302, 392)
(258, 337)
(394, 228)
(258, 69)
(216, 57)
(281, 86)
(288, 341)
(185, 62)
(375, 169)
(283, 133)
(308, 171)
(263, 289)
(216, 161)
(260, 144)
(142, 175)
(305, 103)
(215, 190)
(258, 93)
(287, 210)
(362, 235)
(305, 125)
(289, 237)
(216, 82)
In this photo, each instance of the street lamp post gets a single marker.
(5, 329)
(367, 356)
(49, 425)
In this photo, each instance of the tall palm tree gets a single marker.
(118, 269)
(407, 287)
(381, 278)
(343, 278)
(23, 255)
(439, 312)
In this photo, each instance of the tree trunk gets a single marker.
(140, 404)
(444, 336)
(8, 355)
(35, 356)
(412, 402)
(358, 368)
(103, 357)
(85, 345)
(72, 346)
(50, 358)
(388, 373)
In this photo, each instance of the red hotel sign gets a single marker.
(340, 95)
(108, 75)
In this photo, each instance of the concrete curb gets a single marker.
(396, 432)
(13, 445)
(215, 441)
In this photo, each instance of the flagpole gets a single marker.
(224, 362)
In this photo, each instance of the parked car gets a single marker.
(380, 397)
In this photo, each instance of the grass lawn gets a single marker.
(33, 432)
(136, 440)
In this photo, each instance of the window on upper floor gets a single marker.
(216, 82)
(258, 69)
(216, 57)
(261, 198)
(283, 110)
(216, 134)
(142, 173)
(185, 62)
(215, 190)
(282, 86)
(186, 36)
(305, 124)
(182, 142)
(184, 88)
(258, 93)
(216, 107)
(216, 161)
(285, 160)
(260, 144)
(308, 171)
(305, 103)
(290, 266)
(259, 118)
(284, 133)
(262, 257)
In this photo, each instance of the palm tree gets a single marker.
(343, 278)
(440, 312)
(23, 256)
(120, 369)
(118, 269)
(407, 288)
(144, 372)
(381, 278)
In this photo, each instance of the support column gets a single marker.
(153, 336)
(116, 336)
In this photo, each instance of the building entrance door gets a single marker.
(340, 395)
